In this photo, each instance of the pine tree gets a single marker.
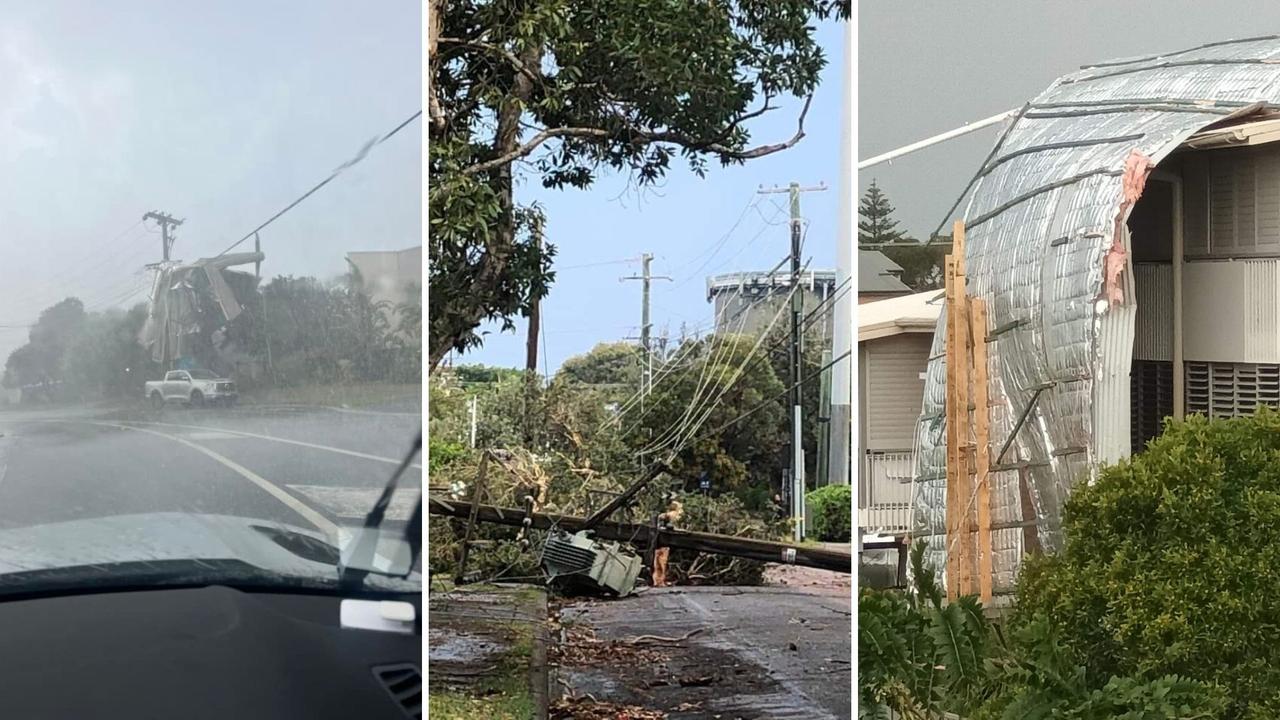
(875, 226)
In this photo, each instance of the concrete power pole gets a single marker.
(165, 221)
(475, 401)
(647, 277)
(797, 483)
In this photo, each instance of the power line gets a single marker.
(775, 397)
(714, 358)
(813, 315)
(359, 156)
(684, 441)
(602, 263)
(674, 435)
(756, 357)
(715, 247)
(72, 272)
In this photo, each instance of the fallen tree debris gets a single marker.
(662, 639)
(584, 709)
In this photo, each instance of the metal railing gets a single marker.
(886, 479)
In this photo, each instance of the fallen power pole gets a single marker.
(641, 535)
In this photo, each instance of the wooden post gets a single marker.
(963, 433)
(477, 493)
(953, 424)
(982, 432)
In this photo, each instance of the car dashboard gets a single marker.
(205, 652)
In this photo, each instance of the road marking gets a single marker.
(210, 436)
(251, 409)
(356, 502)
(272, 438)
(387, 413)
(315, 518)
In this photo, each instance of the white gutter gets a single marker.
(922, 144)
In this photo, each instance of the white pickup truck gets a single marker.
(191, 387)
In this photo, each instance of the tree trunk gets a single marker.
(435, 21)
(506, 139)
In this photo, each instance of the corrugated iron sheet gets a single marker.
(1041, 219)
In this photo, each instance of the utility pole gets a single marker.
(165, 221)
(262, 297)
(474, 401)
(531, 343)
(796, 500)
(647, 277)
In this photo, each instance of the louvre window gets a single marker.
(1151, 397)
(1221, 390)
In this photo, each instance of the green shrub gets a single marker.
(920, 657)
(1172, 564)
(443, 452)
(831, 508)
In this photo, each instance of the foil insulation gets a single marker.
(1045, 221)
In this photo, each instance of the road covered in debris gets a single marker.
(318, 468)
(780, 650)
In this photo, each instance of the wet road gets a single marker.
(751, 653)
(317, 468)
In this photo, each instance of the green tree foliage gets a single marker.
(88, 355)
(607, 363)
(922, 264)
(563, 88)
(720, 383)
(333, 332)
(484, 373)
(1170, 563)
(876, 225)
(318, 333)
(832, 515)
(580, 445)
(106, 360)
(921, 657)
(42, 358)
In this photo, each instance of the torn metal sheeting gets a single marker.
(1070, 165)
(173, 311)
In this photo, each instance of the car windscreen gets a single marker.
(202, 375)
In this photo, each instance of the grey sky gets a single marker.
(928, 67)
(220, 113)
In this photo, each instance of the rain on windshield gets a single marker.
(210, 275)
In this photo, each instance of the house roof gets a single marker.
(915, 313)
(1046, 249)
(878, 274)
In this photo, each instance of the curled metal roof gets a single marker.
(1046, 249)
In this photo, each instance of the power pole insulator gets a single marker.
(646, 369)
(166, 222)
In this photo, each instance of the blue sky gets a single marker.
(679, 222)
(221, 113)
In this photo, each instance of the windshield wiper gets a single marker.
(355, 566)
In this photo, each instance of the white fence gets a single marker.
(886, 490)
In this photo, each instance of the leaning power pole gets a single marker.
(796, 499)
(165, 221)
(647, 277)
